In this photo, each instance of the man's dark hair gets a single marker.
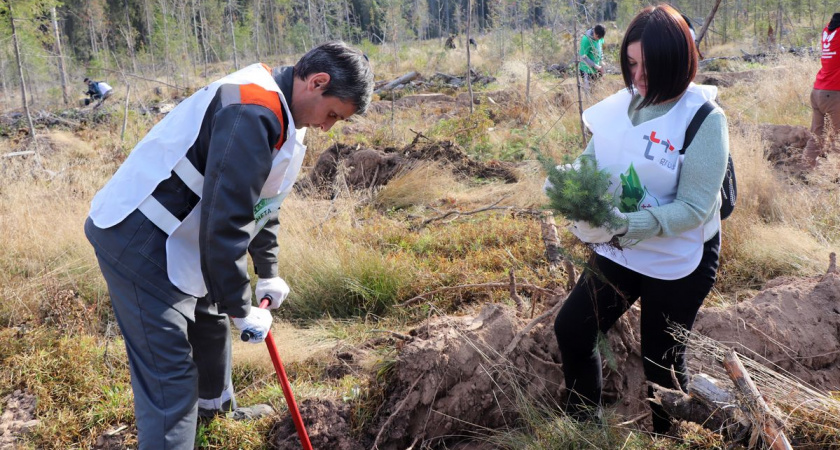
(87, 79)
(599, 30)
(670, 57)
(351, 77)
(834, 23)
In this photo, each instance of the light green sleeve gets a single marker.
(700, 179)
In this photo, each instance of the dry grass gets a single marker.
(356, 255)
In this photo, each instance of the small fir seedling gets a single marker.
(581, 192)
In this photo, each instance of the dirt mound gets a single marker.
(365, 168)
(327, 422)
(784, 142)
(18, 418)
(453, 379)
(459, 377)
(793, 323)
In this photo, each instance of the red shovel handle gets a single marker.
(284, 383)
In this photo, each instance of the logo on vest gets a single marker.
(826, 43)
(666, 156)
(632, 194)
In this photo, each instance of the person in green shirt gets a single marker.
(591, 54)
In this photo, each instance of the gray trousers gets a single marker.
(178, 366)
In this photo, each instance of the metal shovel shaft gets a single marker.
(287, 388)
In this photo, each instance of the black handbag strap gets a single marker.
(695, 123)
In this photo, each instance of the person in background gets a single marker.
(667, 203)
(591, 54)
(825, 98)
(97, 91)
(173, 228)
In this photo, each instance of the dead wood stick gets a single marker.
(459, 213)
(832, 265)
(55, 118)
(513, 295)
(397, 410)
(420, 297)
(771, 428)
(21, 153)
(515, 341)
(125, 114)
(417, 136)
(548, 229)
(394, 334)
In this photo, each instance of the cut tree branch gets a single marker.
(772, 429)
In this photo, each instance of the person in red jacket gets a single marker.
(825, 97)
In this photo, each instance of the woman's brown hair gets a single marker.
(670, 57)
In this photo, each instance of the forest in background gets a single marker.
(180, 41)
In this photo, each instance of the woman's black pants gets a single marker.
(597, 302)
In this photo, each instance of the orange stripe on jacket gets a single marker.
(252, 94)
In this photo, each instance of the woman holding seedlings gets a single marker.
(667, 204)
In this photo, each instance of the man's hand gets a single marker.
(600, 69)
(598, 235)
(257, 323)
(275, 289)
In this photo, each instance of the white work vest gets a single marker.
(163, 150)
(645, 163)
(103, 87)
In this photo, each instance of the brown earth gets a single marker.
(359, 168)
(327, 423)
(456, 377)
(18, 418)
(784, 143)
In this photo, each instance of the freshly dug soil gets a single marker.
(360, 168)
(453, 380)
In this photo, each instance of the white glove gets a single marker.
(257, 323)
(275, 289)
(562, 167)
(598, 235)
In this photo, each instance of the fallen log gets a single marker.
(706, 404)
(401, 80)
(771, 428)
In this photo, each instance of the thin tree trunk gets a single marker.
(20, 71)
(257, 17)
(203, 36)
(184, 48)
(165, 18)
(469, 66)
(62, 73)
(3, 77)
(577, 79)
(129, 38)
(94, 48)
(125, 114)
(194, 44)
(148, 38)
(233, 35)
(311, 22)
(708, 21)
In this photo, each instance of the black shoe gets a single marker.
(251, 412)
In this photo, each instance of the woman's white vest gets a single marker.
(164, 150)
(651, 150)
